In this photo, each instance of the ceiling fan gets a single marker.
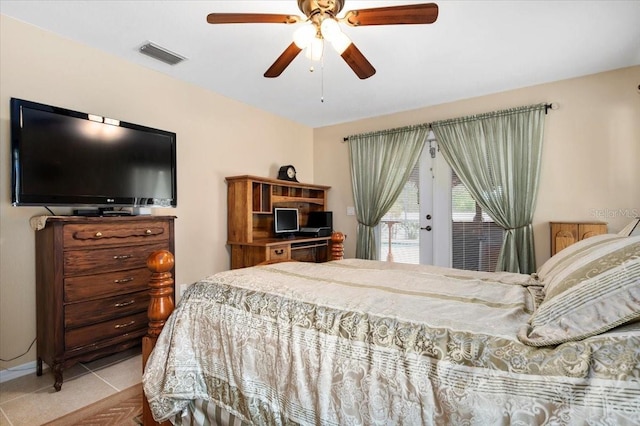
(322, 23)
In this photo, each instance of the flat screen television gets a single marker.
(61, 157)
(286, 221)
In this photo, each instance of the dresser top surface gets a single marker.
(89, 219)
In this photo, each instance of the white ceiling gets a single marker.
(474, 48)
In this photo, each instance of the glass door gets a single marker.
(417, 229)
(435, 221)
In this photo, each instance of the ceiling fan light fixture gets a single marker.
(315, 49)
(340, 42)
(330, 29)
(304, 35)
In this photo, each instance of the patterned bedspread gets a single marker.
(357, 342)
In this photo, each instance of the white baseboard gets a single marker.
(18, 371)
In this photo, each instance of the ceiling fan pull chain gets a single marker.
(310, 57)
(322, 80)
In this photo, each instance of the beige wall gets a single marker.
(591, 156)
(214, 141)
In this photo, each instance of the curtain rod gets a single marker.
(547, 107)
(393, 130)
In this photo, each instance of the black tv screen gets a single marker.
(68, 158)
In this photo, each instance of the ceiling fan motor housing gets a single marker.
(308, 7)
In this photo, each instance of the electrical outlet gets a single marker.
(351, 211)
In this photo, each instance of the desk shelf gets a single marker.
(250, 204)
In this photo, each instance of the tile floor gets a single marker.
(32, 400)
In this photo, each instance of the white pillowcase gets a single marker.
(566, 256)
(632, 229)
(596, 292)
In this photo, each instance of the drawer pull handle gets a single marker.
(123, 280)
(279, 251)
(98, 234)
(122, 256)
(148, 232)
(130, 323)
(121, 304)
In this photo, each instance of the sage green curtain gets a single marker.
(381, 163)
(497, 157)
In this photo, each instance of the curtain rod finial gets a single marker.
(553, 105)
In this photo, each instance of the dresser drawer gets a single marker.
(80, 262)
(100, 285)
(279, 252)
(94, 311)
(93, 333)
(101, 234)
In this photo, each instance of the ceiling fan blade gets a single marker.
(283, 61)
(358, 63)
(426, 13)
(251, 18)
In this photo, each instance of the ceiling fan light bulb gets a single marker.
(341, 42)
(304, 35)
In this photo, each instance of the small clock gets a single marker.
(287, 173)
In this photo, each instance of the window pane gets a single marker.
(400, 226)
(476, 239)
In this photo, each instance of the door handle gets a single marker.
(428, 228)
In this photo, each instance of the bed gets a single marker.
(355, 342)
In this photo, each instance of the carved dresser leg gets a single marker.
(57, 373)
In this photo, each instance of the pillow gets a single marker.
(599, 291)
(632, 229)
(565, 256)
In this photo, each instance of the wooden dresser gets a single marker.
(92, 285)
(563, 234)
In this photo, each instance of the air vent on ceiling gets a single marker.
(161, 54)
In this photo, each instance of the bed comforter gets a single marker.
(357, 342)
